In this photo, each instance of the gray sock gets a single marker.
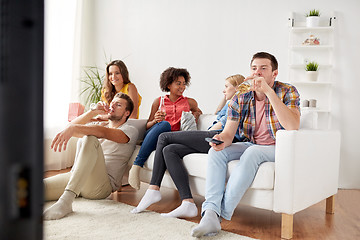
(61, 208)
(208, 226)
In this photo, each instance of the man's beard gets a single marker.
(116, 118)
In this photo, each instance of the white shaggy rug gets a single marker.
(108, 219)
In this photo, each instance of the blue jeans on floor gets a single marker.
(150, 141)
(223, 200)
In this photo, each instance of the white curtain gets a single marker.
(61, 73)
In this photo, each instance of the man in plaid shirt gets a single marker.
(258, 114)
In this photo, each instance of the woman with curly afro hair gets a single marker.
(165, 117)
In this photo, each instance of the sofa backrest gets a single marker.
(308, 120)
(140, 125)
(205, 121)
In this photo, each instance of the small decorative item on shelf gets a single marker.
(311, 71)
(305, 103)
(312, 103)
(313, 18)
(312, 40)
(309, 103)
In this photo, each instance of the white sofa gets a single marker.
(305, 170)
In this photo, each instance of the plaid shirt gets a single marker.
(242, 109)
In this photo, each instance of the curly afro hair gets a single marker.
(170, 75)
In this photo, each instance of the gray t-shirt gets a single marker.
(117, 155)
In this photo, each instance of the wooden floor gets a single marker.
(311, 223)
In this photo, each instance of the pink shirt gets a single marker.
(262, 134)
(174, 111)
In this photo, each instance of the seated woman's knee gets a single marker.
(169, 149)
(163, 137)
(165, 125)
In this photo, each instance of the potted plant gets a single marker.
(312, 71)
(92, 82)
(313, 18)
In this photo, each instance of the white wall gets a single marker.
(215, 39)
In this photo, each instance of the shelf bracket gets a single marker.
(291, 19)
(332, 19)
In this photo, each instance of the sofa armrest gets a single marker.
(306, 168)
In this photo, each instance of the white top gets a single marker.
(117, 155)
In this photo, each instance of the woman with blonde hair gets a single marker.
(117, 80)
(173, 146)
(234, 80)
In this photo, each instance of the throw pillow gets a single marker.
(187, 122)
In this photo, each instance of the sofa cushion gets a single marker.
(196, 166)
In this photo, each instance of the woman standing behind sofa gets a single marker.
(174, 81)
(117, 80)
(170, 150)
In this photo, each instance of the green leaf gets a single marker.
(312, 13)
(312, 66)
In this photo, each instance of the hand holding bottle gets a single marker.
(161, 112)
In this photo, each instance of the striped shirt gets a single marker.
(242, 109)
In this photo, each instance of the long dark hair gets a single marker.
(108, 88)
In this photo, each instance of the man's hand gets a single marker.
(103, 106)
(217, 147)
(260, 85)
(62, 138)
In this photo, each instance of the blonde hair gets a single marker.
(235, 80)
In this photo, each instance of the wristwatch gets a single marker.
(93, 106)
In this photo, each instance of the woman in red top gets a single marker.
(165, 117)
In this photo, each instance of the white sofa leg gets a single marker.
(330, 204)
(287, 226)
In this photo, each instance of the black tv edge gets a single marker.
(21, 118)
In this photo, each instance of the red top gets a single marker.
(174, 110)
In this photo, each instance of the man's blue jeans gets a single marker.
(223, 200)
(150, 141)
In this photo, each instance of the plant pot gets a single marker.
(312, 21)
(312, 76)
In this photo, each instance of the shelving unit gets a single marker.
(300, 54)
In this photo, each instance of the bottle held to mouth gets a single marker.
(245, 86)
